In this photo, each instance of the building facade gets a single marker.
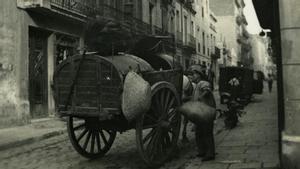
(185, 31)
(203, 46)
(262, 59)
(38, 35)
(34, 43)
(231, 23)
(244, 57)
(195, 27)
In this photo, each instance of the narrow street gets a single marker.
(253, 144)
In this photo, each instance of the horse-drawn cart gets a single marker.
(240, 83)
(88, 91)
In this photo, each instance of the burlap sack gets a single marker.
(198, 112)
(136, 97)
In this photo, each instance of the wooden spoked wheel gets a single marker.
(88, 138)
(157, 131)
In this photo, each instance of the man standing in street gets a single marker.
(270, 82)
(204, 131)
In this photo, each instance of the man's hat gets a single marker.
(196, 68)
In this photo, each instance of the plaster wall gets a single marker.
(14, 60)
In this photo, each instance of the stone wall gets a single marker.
(290, 33)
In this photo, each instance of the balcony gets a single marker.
(240, 3)
(212, 27)
(70, 8)
(239, 20)
(190, 5)
(245, 45)
(179, 38)
(242, 40)
(244, 20)
(189, 43)
(82, 10)
(192, 41)
(245, 33)
(217, 54)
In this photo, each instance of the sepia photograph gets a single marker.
(149, 84)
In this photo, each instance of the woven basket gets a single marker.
(136, 97)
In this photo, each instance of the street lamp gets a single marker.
(264, 32)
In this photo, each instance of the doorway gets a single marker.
(38, 87)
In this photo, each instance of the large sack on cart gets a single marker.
(136, 97)
(198, 112)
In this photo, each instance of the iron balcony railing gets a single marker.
(212, 27)
(84, 10)
(74, 6)
(92, 9)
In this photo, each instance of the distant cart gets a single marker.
(88, 92)
(241, 83)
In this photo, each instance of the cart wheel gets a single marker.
(88, 138)
(157, 131)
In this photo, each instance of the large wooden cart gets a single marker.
(88, 91)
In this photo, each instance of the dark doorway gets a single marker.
(38, 88)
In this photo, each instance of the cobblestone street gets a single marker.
(253, 144)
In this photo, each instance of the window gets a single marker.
(185, 29)
(187, 63)
(177, 21)
(129, 8)
(113, 3)
(198, 39)
(150, 13)
(203, 39)
(202, 12)
(206, 6)
(192, 28)
(208, 44)
(211, 43)
(172, 25)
